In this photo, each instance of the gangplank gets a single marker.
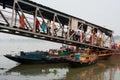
(69, 29)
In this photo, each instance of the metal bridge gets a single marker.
(60, 27)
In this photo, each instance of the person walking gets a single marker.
(37, 25)
(22, 22)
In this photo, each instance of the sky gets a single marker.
(105, 13)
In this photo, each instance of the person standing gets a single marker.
(54, 29)
(48, 27)
(37, 25)
(43, 26)
(22, 22)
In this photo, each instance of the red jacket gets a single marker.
(37, 23)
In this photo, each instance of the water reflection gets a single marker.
(103, 70)
(50, 71)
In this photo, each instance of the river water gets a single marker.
(10, 70)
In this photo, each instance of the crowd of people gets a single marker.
(51, 28)
(44, 27)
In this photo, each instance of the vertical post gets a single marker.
(81, 33)
(68, 30)
(113, 40)
(63, 30)
(101, 45)
(102, 39)
(74, 24)
(92, 36)
(110, 42)
(54, 18)
(12, 20)
(15, 18)
(53, 24)
(99, 39)
(35, 17)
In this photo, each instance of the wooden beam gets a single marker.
(4, 18)
(12, 20)
(15, 18)
(41, 15)
(68, 30)
(60, 26)
(72, 35)
(35, 17)
(53, 24)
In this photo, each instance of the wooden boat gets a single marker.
(37, 57)
(51, 56)
(80, 60)
(104, 56)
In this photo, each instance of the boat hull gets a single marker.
(80, 64)
(22, 60)
(75, 60)
(104, 57)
